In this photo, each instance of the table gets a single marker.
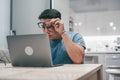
(64, 72)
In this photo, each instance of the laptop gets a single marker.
(30, 50)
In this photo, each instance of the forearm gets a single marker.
(75, 51)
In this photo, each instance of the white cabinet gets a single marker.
(95, 58)
(105, 58)
(112, 60)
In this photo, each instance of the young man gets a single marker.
(66, 47)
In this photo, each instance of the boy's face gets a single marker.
(49, 29)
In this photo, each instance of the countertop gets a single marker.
(103, 52)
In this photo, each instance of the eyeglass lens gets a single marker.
(44, 25)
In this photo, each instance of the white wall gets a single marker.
(72, 13)
(63, 7)
(98, 43)
(91, 20)
(25, 15)
(4, 22)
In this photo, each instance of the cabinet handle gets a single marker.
(115, 57)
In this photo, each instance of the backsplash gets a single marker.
(102, 43)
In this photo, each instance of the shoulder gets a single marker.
(74, 35)
(77, 38)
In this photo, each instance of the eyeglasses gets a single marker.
(44, 25)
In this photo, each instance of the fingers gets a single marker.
(58, 25)
(56, 22)
(53, 21)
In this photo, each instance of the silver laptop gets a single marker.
(30, 50)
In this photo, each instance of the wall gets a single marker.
(98, 23)
(25, 15)
(4, 22)
(101, 43)
(72, 13)
(63, 7)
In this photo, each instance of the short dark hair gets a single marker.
(49, 14)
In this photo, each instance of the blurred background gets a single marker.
(98, 21)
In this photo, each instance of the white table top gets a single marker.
(65, 72)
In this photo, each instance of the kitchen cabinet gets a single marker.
(112, 60)
(105, 58)
(95, 58)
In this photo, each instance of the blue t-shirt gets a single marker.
(59, 52)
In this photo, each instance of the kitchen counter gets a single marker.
(103, 52)
(65, 72)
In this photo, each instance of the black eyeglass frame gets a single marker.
(43, 25)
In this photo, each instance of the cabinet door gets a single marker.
(25, 15)
(112, 59)
(91, 60)
(94, 58)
